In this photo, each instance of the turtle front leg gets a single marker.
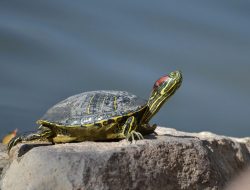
(43, 134)
(129, 129)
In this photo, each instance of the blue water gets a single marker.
(50, 50)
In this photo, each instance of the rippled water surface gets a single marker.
(50, 50)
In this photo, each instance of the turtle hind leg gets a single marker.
(147, 129)
(43, 134)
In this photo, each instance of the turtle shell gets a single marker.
(92, 107)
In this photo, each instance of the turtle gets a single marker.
(103, 115)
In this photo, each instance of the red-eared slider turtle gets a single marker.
(103, 115)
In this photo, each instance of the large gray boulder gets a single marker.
(171, 160)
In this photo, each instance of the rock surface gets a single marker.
(170, 160)
(241, 182)
(4, 159)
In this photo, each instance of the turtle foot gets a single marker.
(133, 136)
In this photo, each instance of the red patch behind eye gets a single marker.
(160, 81)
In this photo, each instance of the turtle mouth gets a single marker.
(177, 77)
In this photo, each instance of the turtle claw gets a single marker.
(133, 136)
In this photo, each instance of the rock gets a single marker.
(241, 182)
(171, 160)
(4, 159)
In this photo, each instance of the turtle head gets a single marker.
(162, 90)
(166, 86)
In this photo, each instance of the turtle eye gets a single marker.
(160, 81)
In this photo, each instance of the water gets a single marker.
(50, 50)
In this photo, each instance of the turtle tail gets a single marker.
(44, 135)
